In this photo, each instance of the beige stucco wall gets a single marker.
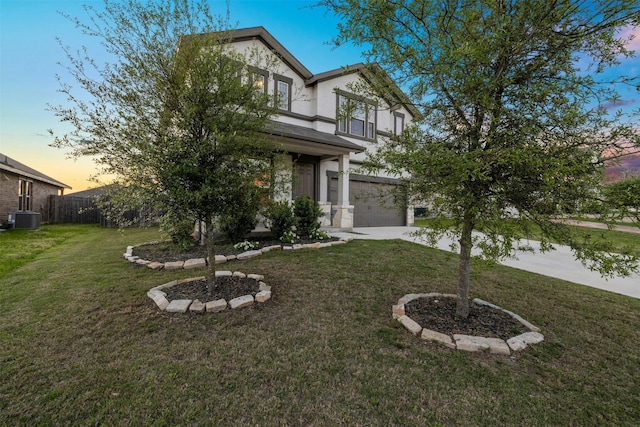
(315, 106)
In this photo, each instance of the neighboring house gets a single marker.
(323, 146)
(25, 189)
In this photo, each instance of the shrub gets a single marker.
(307, 211)
(246, 245)
(235, 226)
(319, 235)
(280, 218)
(289, 237)
(179, 228)
(625, 195)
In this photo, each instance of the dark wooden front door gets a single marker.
(304, 180)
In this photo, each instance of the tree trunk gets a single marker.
(211, 255)
(462, 306)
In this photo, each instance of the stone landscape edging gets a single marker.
(220, 259)
(467, 342)
(159, 297)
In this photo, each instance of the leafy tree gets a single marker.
(625, 197)
(515, 130)
(174, 115)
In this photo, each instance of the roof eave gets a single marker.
(26, 174)
(262, 34)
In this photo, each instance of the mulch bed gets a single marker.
(227, 287)
(438, 314)
(168, 252)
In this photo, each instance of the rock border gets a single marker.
(221, 259)
(195, 306)
(467, 342)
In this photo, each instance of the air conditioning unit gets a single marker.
(27, 219)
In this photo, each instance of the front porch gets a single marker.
(312, 155)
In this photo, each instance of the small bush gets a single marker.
(289, 237)
(179, 228)
(235, 226)
(319, 235)
(246, 245)
(307, 211)
(625, 195)
(280, 218)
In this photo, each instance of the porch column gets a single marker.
(344, 210)
(343, 180)
(323, 201)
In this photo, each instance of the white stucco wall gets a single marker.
(312, 106)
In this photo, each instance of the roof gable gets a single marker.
(10, 165)
(261, 34)
(369, 72)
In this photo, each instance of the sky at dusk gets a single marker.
(29, 54)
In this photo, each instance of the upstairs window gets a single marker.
(258, 78)
(283, 86)
(24, 195)
(356, 116)
(371, 122)
(398, 123)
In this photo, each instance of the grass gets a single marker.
(621, 242)
(20, 246)
(83, 345)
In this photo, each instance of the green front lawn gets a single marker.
(81, 344)
(19, 246)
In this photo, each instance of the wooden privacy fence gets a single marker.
(73, 209)
(84, 210)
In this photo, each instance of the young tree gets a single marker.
(513, 125)
(624, 196)
(176, 117)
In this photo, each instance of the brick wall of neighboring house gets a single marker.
(40, 201)
(9, 195)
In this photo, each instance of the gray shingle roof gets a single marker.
(311, 135)
(10, 165)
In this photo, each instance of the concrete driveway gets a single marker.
(559, 263)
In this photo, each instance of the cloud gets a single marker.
(612, 105)
(633, 33)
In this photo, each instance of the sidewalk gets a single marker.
(601, 226)
(559, 263)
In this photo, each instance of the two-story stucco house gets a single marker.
(323, 145)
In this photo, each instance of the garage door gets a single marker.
(372, 202)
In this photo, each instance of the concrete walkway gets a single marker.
(601, 226)
(559, 263)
